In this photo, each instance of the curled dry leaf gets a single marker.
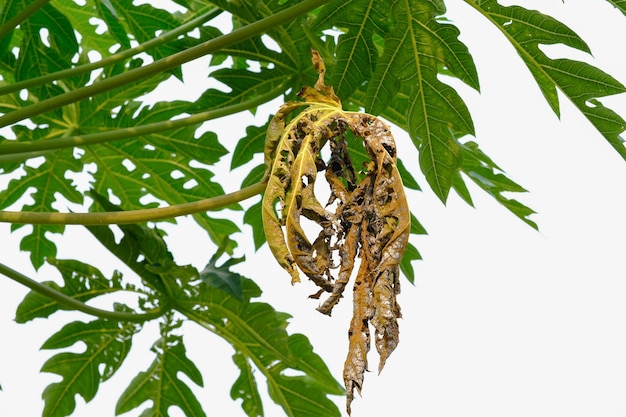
(371, 219)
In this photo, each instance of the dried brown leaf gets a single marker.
(371, 219)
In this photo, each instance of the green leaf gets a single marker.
(91, 38)
(255, 175)
(257, 333)
(249, 146)
(145, 22)
(108, 343)
(405, 87)
(145, 252)
(245, 387)
(160, 383)
(159, 165)
(81, 282)
(244, 85)
(411, 254)
(356, 52)
(582, 83)
(407, 179)
(46, 180)
(415, 48)
(221, 277)
(252, 217)
(489, 176)
(620, 4)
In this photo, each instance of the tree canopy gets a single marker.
(74, 77)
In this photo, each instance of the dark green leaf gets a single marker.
(620, 4)
(582, 83)
(255, 175)
(488, 176)
(47, 180)
(407, 179)
(244, 84)
(411, 254)
(356, 53)
(221, 277)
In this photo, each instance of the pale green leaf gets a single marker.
(81, 282)
(245, 387)
(161, 385)
(108, 343)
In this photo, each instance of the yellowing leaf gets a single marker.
(371, 218)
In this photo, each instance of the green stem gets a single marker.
(81, 69)
(75, 304)
(24, 149)
(164, 64)
(133, 216)
(21, 16)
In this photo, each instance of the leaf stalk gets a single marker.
(120, 56)
(133, 216)
(24, 14)
(78, 305)
(163, 64)
(23, 150)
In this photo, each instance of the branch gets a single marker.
(21, 16)
(134, 216)
(81, 69)
(23, 150)
(163, 64)
(78, 305)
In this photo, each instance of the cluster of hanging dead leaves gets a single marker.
(371, 220)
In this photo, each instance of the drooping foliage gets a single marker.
(73, 76)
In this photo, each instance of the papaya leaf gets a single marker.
(91, 40)
(145, 22)
(108, 342)
(415, 48)
(582, 83)
(245, 387)
(160, 383)
(372, 217)
(489, 176)
(221, 277)
(250, 145)
(244, 85)
(411, 254)
(46, 180)
(252, 217)
(145, 252)
(620, 4)
(356, 53)
(160, 164)
(81, 282)
(257, 333)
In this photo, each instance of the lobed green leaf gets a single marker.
(161, 385)
(582, 83)
(257, 333)
(108, 342)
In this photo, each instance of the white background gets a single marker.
(502, 320)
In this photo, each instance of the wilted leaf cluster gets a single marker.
(370, 222)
